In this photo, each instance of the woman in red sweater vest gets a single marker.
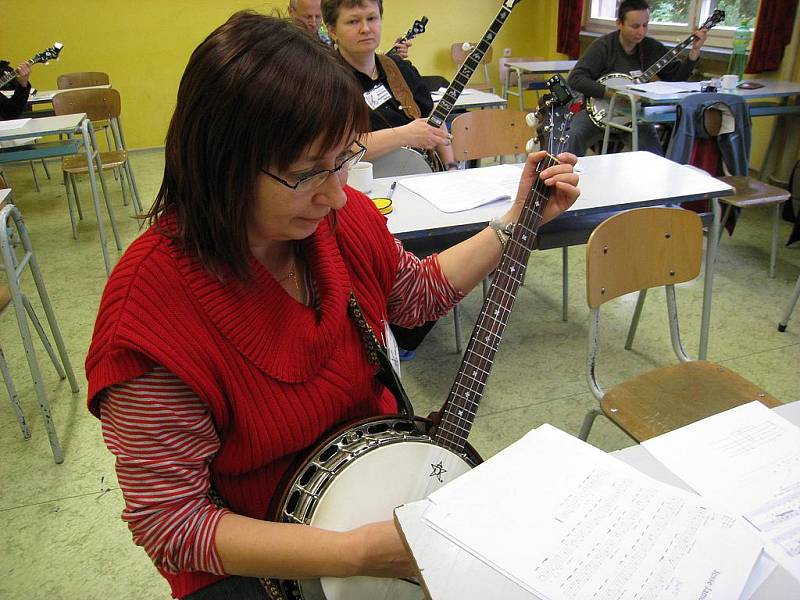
(223, 348)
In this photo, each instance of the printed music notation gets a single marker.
(747, 460)
(579, 524)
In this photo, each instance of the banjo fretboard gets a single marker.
(448, 101)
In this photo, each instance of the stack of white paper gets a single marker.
(748, 460)
(463, 190)
(667, 87)
(566, 521)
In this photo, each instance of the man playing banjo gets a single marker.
(626, 50)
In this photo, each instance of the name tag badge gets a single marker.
(391, 347)
(636, 74)
(377, 96)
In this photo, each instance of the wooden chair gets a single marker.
(751, 192)
(517, 86)
(99, 104)
(459, 55)
(81, 79)
(637, 250)
(492, 132)
(68, 81)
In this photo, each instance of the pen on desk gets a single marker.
(390, 193)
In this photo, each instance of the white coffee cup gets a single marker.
(360, 176)
(729, 81)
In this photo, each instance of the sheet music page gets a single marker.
(748, 460)
(566, 521)
(455, 191)
(666, 87)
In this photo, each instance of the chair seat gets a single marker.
(752, 192)
(668, 398)
(77, 162)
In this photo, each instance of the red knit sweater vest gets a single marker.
(275, 375)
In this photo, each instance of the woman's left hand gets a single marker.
(560, 180)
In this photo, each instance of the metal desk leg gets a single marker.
(607, 134)
(771, 145)
(708, 283)
(106, 196)
(776, 227)
(565, 283)
(87, 144)
(519, 89)
(790, 306)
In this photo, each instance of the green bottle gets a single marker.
(741, 42)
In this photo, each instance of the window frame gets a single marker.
(718, 37)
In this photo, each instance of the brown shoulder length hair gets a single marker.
(256, 93)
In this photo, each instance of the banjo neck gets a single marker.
(448, 101)
(458, 413)
(662, 62)
(716, 17)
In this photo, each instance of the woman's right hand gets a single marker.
(381, 552)
(418, 134)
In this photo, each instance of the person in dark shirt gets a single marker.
(626, 50)
(11, 108)
(355, 28)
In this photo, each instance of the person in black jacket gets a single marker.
(11, 108)
(626, 50)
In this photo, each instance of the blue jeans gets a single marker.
(583, 133)
(232, 588)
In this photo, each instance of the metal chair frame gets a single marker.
(14, 233)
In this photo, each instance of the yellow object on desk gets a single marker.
(384, 205)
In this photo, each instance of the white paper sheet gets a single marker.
(463, 190)
(748, 460)
(437, 95)
(666, 87)
(566, 521)
(13, 124)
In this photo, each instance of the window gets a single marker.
(673, 20)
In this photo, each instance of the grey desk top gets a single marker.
(543, 66)
(771, 89)
(606, 182)
(45, 126)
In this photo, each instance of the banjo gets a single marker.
(598, 107)
(417, 28)
(409, 161)
(364, 471)
(44, 56)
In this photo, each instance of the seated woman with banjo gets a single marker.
(393, 90)
(242, 325)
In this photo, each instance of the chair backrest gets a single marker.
(98, 103)
(642, 248)
(459, 55)
(68, 81)
(491, 132)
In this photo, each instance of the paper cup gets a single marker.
(729, 81)
(360, 176)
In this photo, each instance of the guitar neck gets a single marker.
(666, 59)
(459, 411)
(448, 101)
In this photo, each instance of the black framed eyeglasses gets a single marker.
(306, 183)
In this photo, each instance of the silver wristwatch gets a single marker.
(503, 231)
